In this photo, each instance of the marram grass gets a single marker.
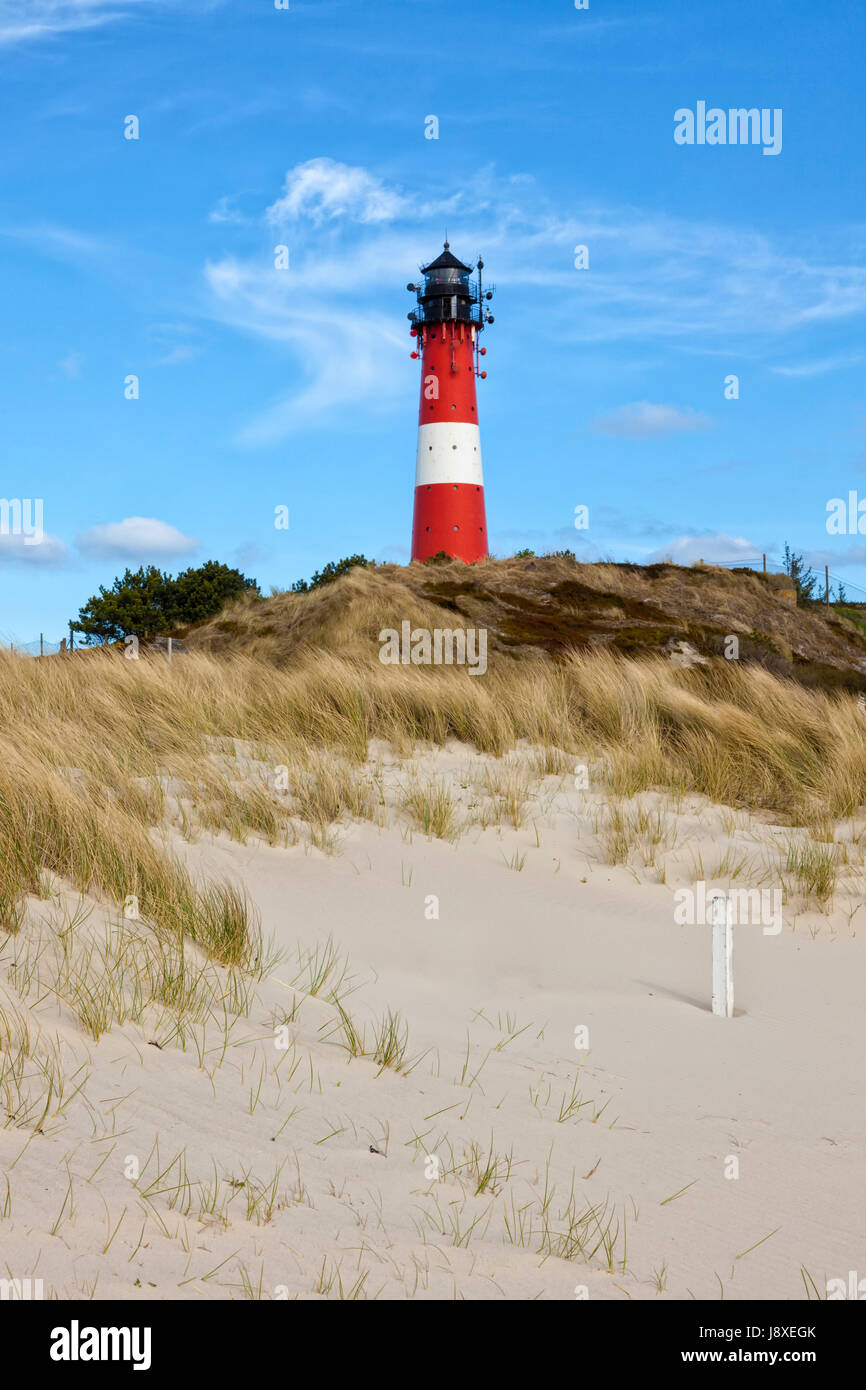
(94, 750)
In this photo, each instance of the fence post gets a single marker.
(723, 957)
(169, 649)
(764, 558)
(41, 645)
(826, 583)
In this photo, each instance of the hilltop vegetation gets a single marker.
(546, 607)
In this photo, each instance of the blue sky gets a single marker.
(262, 387)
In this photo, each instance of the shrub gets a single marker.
(804, 578)
(331, 571)
(147, 602)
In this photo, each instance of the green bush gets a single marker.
(331, 571)
(146, 602)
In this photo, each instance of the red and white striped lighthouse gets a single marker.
(449, 487)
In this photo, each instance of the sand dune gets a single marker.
(249, 1154)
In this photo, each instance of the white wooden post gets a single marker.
(169, 649)
(723, 957)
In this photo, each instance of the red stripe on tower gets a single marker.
(449, 486)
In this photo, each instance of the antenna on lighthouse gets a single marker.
(480, 302)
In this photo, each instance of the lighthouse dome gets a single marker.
(447, 294)
(446, 261)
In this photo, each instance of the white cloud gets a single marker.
(686, 549)
(135, 538)
(643, 420)
(323, 189)
(48, 553)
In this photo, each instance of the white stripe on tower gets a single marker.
(448, 452)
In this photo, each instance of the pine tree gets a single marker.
(147, 603)
(804, 578)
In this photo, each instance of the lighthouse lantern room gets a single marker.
(449, 487)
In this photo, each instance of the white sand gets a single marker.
(670, 1091)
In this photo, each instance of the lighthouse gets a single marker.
(449, 486)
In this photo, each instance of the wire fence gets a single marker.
(773, 565)
(41, 647)
(751, 562)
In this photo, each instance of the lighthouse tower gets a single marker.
(449, 487)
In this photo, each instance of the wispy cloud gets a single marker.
(184, 352)
(135, 538)
(174, 351)
(63, 242)
(821, 365)
(224, 212)
(643, 420)
(685, 550)
(348, 357)
(71, 365)
(717, 286)
(47, 553)
(115, 261)
(23, 20)
(852, 554)
(726, 466)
